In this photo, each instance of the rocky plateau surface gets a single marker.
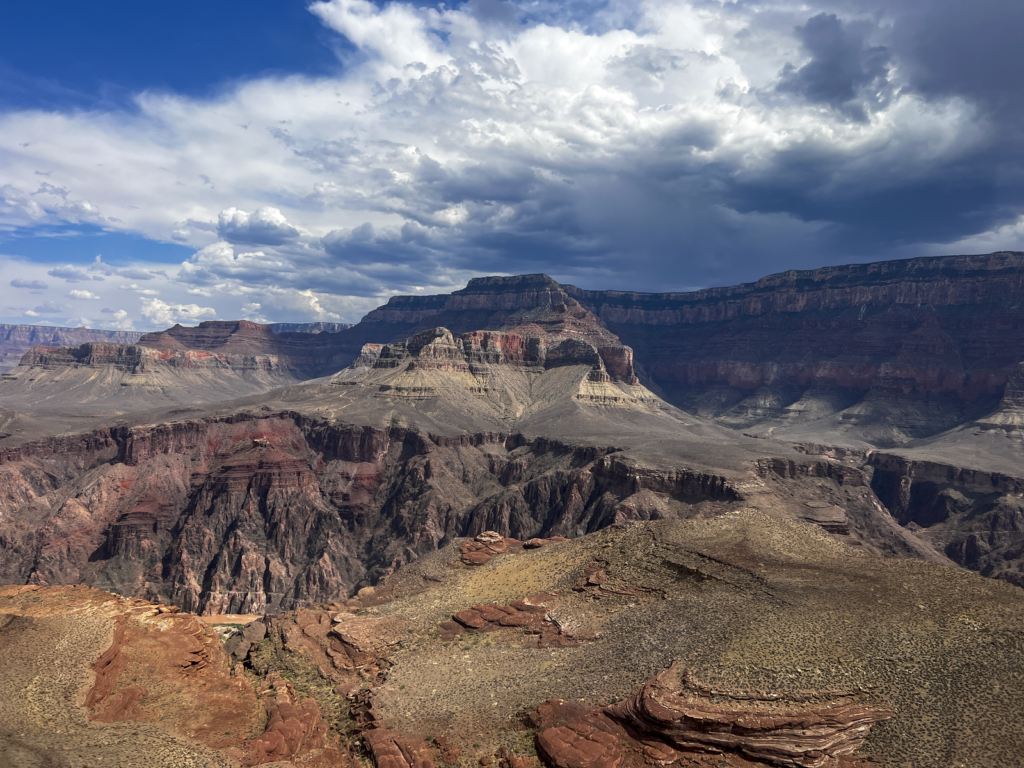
(741, 641)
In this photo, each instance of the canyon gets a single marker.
(808, 457)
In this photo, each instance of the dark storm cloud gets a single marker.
(971, 49)
(841, 68)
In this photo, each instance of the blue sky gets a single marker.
(284, 160)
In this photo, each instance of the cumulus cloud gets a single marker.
(266, 226)
(120, 321)
(78, 294)
(164, 314)
(38, 285)
(659, 144)
(252, 311)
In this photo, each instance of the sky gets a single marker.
(287, 160)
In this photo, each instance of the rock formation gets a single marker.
(16, 340)
(789, 661)
(808, 730)
(881, 353)
(318, 327)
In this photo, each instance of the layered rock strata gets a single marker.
(265, 512)
(805, 731)
(438, 349)
(140, 359)
(16, 340)
(919, 345)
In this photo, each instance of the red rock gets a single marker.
(394, 749)
(579, 746)
(492, 612)
(797, 730)
(477, 558)
(450, 754)
(519, 620)
(470, 618)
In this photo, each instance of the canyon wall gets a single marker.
(920, 344)
(16, 340)
(947, 330)
(270, 511)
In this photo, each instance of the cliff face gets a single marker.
(532, 304)
(16, 340)
(140, 359)
(318, 327)
(924, 343)
(473, 352)
(888, 352)
(266, 512)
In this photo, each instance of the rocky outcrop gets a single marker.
(474, 352)
(530, 304)
(294, 727)
(212, 335)
(809, 729)
(975, 517)
(482, 548)
(532, 615)
(16, 340)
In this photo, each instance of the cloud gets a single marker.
(251, 311)
(267, 226)
(77, 294)
(139, 290)
(49, 308)
(162, 313)
(71, 274)
(120, 320)
(842, 66)
(652, 145)
(38, 285)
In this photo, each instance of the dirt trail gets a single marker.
(46, 663)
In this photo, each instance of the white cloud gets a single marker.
(643, 138)
(251, 311)
(162, 313)
(119, 320)
(139, 290)
(77, 294)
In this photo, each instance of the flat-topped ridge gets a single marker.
(210, 334)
